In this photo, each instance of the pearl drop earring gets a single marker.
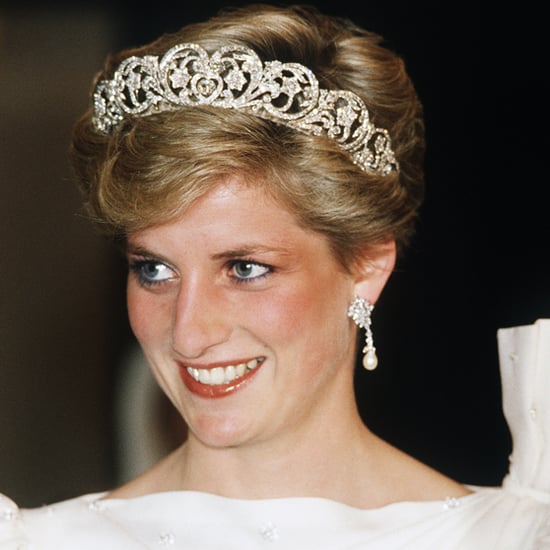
(360, 311)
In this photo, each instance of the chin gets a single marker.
(221, 431)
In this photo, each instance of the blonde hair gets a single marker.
(155, 166)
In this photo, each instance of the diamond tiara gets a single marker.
(234, 77)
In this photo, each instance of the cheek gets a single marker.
(280, 316)
(136, 314)
(148, 317)
(290, 314)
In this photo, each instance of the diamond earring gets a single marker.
(360, 311)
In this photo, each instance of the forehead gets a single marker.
(235, 202)
(230, 212)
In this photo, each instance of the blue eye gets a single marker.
(247, 271)
(150, 272)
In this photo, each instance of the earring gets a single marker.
(360, 311)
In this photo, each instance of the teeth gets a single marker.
(204, 376)
(241, 369)
(217, 375)
(223, 375)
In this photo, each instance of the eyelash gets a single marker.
(241, 280)
(137, 266)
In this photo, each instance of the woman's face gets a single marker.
(242, 315)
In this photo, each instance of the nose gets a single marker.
(200, 320)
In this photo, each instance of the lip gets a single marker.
(219, 390)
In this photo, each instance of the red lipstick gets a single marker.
(216, 390)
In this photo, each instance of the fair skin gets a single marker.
(235, 291)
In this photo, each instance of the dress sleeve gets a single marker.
(11, 531)
(525, 372)
(524, 354)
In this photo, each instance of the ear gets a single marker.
(373, 270)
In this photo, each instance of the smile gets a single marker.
(218, 376)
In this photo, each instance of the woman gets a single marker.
(262, 170)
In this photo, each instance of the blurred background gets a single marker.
(78, 410)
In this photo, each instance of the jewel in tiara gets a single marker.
(234, 77)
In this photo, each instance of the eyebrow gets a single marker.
(138, 250)
(241, 252)
(249, 250)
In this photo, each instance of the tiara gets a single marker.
(234, 77)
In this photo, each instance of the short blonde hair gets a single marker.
(155, 166)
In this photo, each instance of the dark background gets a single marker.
(479, 260)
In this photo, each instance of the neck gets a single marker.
(320, 460)
(327, 453)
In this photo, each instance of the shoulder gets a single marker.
(486, 518)
(56, 526)
(516, 520)
(403, 478)
(11, 532)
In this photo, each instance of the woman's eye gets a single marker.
(150, 272)
(246, 271)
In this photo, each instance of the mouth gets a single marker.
(218, 376)
(220, 380)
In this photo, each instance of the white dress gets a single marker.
(515, 516)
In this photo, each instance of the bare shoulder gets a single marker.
(155, 480)
(408, 479)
